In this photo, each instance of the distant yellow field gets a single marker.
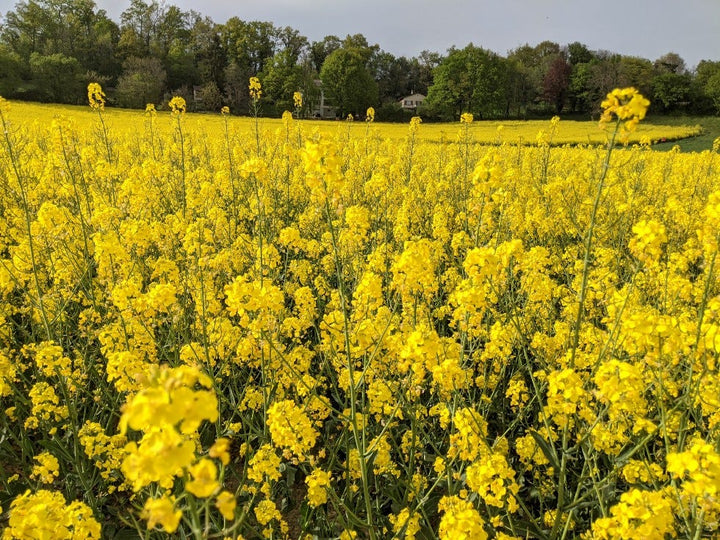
(483, 132)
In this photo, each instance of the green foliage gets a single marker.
(707, 82)
(470, 80)
(671, 90)
(392, 112)
(11, 68)
(347, 83)
(320, 50)
(712, 89)
(56, 77)
(142, 82)
(281, 78)
(210, 98)
(556, 82)
(579, 87)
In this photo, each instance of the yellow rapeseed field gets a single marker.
(214, 327)
(124, 121)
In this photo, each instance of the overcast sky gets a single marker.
(647, 28)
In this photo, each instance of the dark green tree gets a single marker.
(208, 53)
(12, 84)
(707, 86)
(142, 82)
(236, 88)
(671, 91)
(56, 78)
(529, 66)
(210, 97)
(578, 53)
(347, 82)
(637, 72)
(473, 80)
(320, 50)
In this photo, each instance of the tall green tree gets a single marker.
(473, 80)
(281, 78)
(394, 76)
(707, 83)
(208, 53)
(605, 72)
(12, 83)
(347, 82)
(138, 28)
(671, 84)
(249, 44)
(578, 53)
(320, 50)
(529, 67)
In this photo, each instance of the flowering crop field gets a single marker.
(123, 122)
(221, 328)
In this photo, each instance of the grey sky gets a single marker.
(647, 28)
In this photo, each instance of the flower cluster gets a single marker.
(96, 96)
(46, 514)
(625, 104)
(255, 89)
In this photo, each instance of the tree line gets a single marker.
(51, 49)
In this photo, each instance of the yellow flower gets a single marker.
(370, 115)
(46, 515)
(466, 118)
(291, 428)
(415, 122)
(162, 512)
(255, 88)
(266, 511)
(639, 514)
(298, 100)
(226, 504)
(96, 97)
(265, 464)
(220, 450)
(160, 456)
(317, 484)
(468, 441)
(647, 243)
(407, 522)
(177, 105)
(627, 105)
(460, 520)
(47, 469)
(494, 480)
(204, 478)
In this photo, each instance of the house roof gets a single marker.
(414, 97)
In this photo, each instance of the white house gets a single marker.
(412, 102)
(321, 108)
